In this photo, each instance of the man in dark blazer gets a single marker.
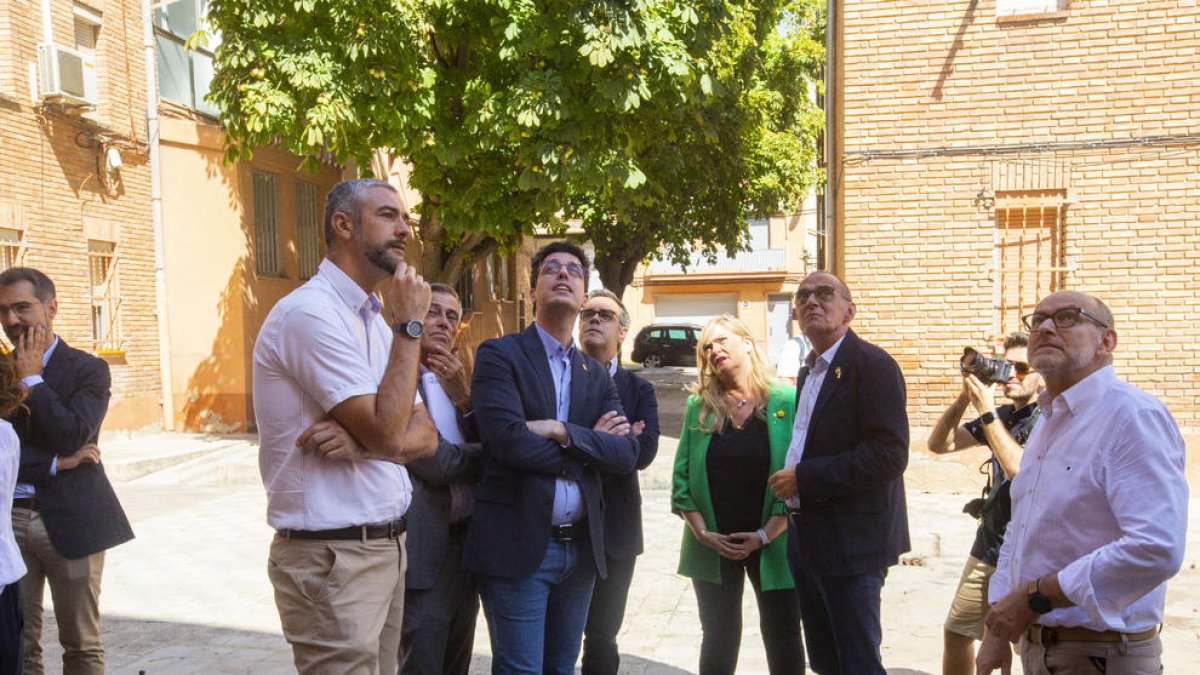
(844, 482)
(536, 540)
(440, 599)
(603, 324)
(65, 513)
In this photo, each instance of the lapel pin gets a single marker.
(779, 414)
(584, 364)
(837, 372)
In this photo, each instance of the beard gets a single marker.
(381, 256)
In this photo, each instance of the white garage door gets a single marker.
(697, 309)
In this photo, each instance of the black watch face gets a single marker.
(1039, 603)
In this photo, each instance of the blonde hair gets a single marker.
(715, 410)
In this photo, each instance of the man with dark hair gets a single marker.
(536, 540)
(844, 482)
(604, 322)
(440, 599)
(326, 362)
(1099, 510)
(65, 513)
(1004, 431)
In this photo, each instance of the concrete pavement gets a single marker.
(191, 595)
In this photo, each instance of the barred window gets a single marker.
(1030, 261)
(499, 277)
(308, 229)
(466, 289)
(105, 296)
(266, 223)
(10, 247)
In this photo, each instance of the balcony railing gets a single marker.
(744, 261)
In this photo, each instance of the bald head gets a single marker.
(824, 309)
(1090, 303)
(1066, 354)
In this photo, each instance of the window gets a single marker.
(266, 223)
(106, 298)
(499, 277)
(466, 289)
(87, 30)
(759, 234)
(10, 247)
(1017, 7)
(1029, 258)
(308, 229)
(184, 75)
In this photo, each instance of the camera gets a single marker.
(988, 369)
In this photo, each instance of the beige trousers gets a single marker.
(341, 603)
(75, 589)
(1143, 657)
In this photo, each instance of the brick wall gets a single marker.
(51, 189)
(917, 231)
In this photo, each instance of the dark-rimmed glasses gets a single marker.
(1063, 318)
(824, 293)
(605, 315)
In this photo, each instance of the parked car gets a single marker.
(666, 345)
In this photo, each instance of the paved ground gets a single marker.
(190, 594)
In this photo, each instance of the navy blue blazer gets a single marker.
(622, 495)
(510, 528)
(78, 506)
(853, 517)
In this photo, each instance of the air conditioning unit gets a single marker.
(67, 75)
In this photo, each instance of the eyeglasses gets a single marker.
(823, 292)
(605, 315)
(1063, 318)
(18, 308)
(554, 267)
(1021, 369)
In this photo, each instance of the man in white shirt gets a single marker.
(1099, 510)
(325, 360)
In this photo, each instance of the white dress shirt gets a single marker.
(31, 381)
(818, 366)
(12, 565)
(323, 343)
(1101, 499)
(445, 418)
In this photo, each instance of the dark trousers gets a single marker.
(11, 623)
(439, 623)
(841, 619)
(720, 608)
(605, 614)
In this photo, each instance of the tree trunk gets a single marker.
(616, 268)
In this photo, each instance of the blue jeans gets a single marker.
(536, 622)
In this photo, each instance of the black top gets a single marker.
(739, 462)
(998, 508)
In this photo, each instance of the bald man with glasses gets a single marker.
(1099, 510)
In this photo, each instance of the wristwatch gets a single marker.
(1037, 602)
(987, 418)
(413, 329)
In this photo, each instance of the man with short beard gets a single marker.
(603, 324)
(1003, 430)
(326, 363)
(1099, 516)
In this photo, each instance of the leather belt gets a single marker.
(1048, 636)
(390, 530)
(569, 531)
(30, 503)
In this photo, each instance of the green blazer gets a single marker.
(689, 491)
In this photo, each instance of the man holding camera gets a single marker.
(1003, 430)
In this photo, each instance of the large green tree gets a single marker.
(745, 148)
(503, 107)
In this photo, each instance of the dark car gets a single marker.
(666, 345)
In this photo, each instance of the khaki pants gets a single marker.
(75, 589)
(1143, 657)
(341, 603)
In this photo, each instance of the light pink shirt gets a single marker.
(323, 343)
(1101, 499)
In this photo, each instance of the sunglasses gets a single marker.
(605, 315)
(824, 293)
(1021, 369)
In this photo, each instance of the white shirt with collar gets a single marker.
(445, 418)
(818, 366)
(1102, 500)
(323, 343)
(12, 565)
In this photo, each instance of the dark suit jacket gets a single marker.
(622, 496)
(853, 518)
(510, 529)
(78, 506)
(429, 512)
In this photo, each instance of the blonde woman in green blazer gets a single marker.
(735, 434)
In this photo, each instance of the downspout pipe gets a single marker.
(160, 281)
(833, 161)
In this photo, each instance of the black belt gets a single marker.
(390, 530)
(569, 531)
(30, 503)
(459, 527)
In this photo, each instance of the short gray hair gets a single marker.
(347, 197)
(623, 315)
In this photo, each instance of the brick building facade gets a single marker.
(986, 152)
(75, 183)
